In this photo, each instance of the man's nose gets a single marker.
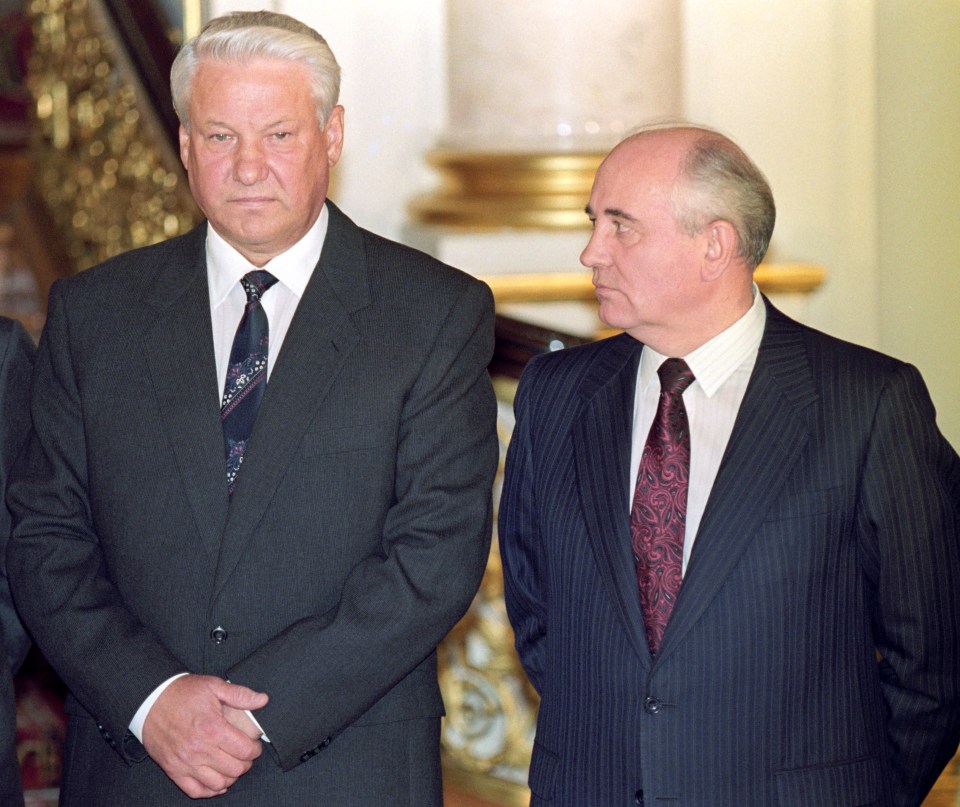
(250, 165)
(593, 252)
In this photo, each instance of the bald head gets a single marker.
(712, 178)
(681, 218)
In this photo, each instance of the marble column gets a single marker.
(538, 91)
(541, 76)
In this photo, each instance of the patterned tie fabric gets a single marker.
(659, 512)
(246, 374)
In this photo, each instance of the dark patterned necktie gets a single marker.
(246, 374)
(659, 513)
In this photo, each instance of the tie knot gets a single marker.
(675, 376)
(256, 283)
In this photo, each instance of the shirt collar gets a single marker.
(293, 268)
(716, 360)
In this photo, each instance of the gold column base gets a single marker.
(481, 790)
(487, 190)
(543, 287)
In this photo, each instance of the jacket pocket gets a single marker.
(346, 439)
(805, 504)
(543, 772)
(844, 784)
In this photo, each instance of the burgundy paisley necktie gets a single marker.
(659, 513)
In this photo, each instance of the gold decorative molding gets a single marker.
(491, 190)
(776, 278)
(487, 735)
(104, 167)
(489, 789)
(789, 278)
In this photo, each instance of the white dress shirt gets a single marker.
(225, 267)
(722, 368)
(292, 269)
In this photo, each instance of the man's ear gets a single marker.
(720, 250)
(333, 134)
(184, 138)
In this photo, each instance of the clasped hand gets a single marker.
(199, 733)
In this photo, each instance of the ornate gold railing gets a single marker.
(106, 162)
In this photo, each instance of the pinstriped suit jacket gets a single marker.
(813, 655)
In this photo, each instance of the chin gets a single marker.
(614, 319)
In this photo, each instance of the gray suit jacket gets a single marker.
(356, 536)
(831, 539)
(16, 357)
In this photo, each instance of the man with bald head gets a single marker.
(731, 543)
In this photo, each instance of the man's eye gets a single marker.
(219, 138)
(281, 135)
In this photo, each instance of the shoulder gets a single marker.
(571, 365)
(576, 373)
(401, 288)
(132, 271)
(829, 357)
(397, 267)
(843, 376)
(416, 272)
(116, 302)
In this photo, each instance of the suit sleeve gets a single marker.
(58, 573)
(910, 520)
(15, 367)
(397, 605)
(521, 551)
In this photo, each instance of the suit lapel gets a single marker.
(770, 430)
(178, 351)
(602, 438)
(320, 339)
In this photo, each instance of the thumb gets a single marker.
(241, 697)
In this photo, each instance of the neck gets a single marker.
(694, 329)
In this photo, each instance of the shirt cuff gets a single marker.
(136, 725)
(256, 722)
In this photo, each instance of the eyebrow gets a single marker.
(225, 125)
(613, 212)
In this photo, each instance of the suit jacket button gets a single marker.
(639, 797)
(219, 635)
(652, 706)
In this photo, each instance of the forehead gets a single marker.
(636, 176)
(260, 77)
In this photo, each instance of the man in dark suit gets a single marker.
(208, 586)
(16, 358)
(731, 543)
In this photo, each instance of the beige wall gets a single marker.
(919, 179)
(793, 83)
(850, 106)
(853, 110)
